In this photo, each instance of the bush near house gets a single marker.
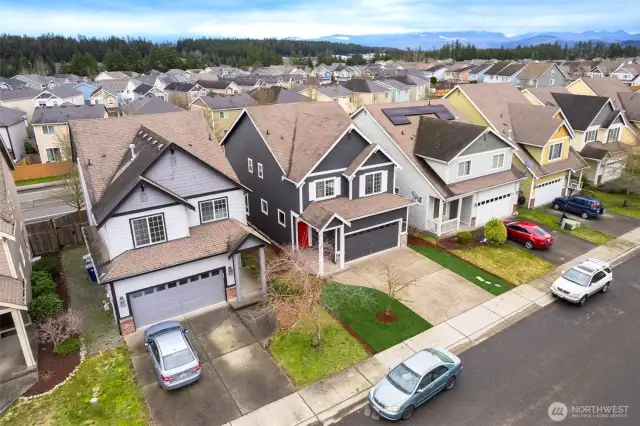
(44, 306)
(42, 283)
(464, 237)
(495, 232)
(67, 347)
(48, 264)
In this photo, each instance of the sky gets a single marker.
(168, 20)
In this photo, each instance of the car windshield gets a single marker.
(540, 232)
(577, 277)
(440, 355)
(403, 378)
(177, 359)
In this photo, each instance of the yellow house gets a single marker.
(221, 111)
(330, 93)
(544, 139)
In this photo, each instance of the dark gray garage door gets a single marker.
(167, 300)
(370, 241)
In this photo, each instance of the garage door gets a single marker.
(369, 241)
(547, 191)
(612, 170)
(167, 300)
(498, 206)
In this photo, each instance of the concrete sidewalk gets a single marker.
(328, 400)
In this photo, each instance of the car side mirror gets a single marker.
(186, 331)
(146, 344)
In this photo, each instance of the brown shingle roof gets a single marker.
(103, 143)
(544, 94)
(487, 181)
(12, 291)
(534, 70)
(533, 124)
(607, 86)
(598, 150)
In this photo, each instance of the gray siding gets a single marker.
(375, 220)
(148, 199)
(618, 120)
(602, 116)
(334, 222)
(356, 179)
(344, 187)
(377, 158)
(186, 176)
(343, 153)
(245, 142)
(488, 142)
(558, 78)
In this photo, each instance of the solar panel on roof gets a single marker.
(400, 115)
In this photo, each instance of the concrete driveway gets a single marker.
(610, 222)
(238, 374)
(565, 248)
(436, 293)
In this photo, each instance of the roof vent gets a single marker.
(149, 138)
(160, 146)
(155, 141)
(144, 136)
(267, 131)
(402, 132)
(132, 147)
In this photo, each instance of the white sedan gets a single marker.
(582, 281)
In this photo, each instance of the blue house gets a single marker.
(87, 89)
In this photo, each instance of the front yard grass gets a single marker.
(38, 180)
(99, 330)
(550, 221)
(512, 264)
(107, 377)
(361, 317)
(489, 282)
(614, 202)
(304, 364)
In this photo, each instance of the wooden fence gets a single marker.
(36, 171)
(52, 235)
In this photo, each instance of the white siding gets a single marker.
(121, 288)
(480, 165)
(235, 204)
(441, 169)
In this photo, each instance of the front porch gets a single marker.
(322, 251)
(445, 217)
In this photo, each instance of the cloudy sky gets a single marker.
(162, 19)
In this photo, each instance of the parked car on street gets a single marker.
(529, 234)
(582, 281)
(413, 382)
(585, 207)
(174, 359)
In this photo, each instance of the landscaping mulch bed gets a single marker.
(387, 319)
(52, 368)
(412, 240)
(451, 243)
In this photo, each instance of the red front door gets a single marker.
(303, 234)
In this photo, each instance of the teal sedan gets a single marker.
(414, 382)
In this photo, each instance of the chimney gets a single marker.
(132, 147)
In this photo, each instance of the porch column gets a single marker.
(580, 182)
(459, 211)
(440, 213)
(263, 271)
(342, 247)
(23, 337)
(236, 268)
(320, 253)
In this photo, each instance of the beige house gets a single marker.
(330, 93)
(21, 98)
(222, 111)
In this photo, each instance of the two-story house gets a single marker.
(221, 87)
(10, 83)
(628, 73)
(418, 85)
(365, 91)
(400, 92)
(36, 81)
(167, 215)
(222, 111)
(13, 131)
(18, 340)
(329, 93)
(111, 75)
(317, 182)
(87, 88)
(110, 94)
(605, 68)
(477, 72)
(491, 75)
(541, 74)
(541, 134)
(21, 98)
(436, 71)
(460, 175)
(63, 94)
(181, 94)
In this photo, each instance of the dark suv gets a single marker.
(586, 207)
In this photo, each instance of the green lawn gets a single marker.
(510, 263)
(613, 202)
(361, 317)
(38, 180)
(550, 221)
(485, 280)
(304, 364)
(107, 377)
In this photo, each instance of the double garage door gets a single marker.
(612, 170)
(370, 241)
(163, 301)
(498, 206)
(547, 191)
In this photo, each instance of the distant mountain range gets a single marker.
(481, 39)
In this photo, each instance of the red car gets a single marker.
(528, 233)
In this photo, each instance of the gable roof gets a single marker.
(333, 90)
(10, 116)
(580, 110)
(276, 95)
(496, 68)
(64, 91)
(534, 71)
(630, 102)
(444, 139)
(181, 87)
(18, 93)
(214, 84)
(142, 88)
(608, 87)
(533, 124)
(545, 94)
(65, 113)
(511, 70)
(11, 82)
(150, 105)
(361, 85)
(116, 75)
(218, 102)
(112, 87)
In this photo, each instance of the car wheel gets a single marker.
(582, 301)
(450, 383)
(585, 215)
(556, 206)
(529, 244)
(407, 412)
(605, 288)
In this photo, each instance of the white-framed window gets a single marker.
(250, 165)
(53, 154)
(246, 203)
(373, 183)
(148, 230)
(591, 136)
(282, 218)
(613, 134)
(110, 101)
(464, 168)
(553, 73)
(223, 115)
(498, 161)
(212, 210)
(552, 81)
(264, 206)
(48, 130)
(325, 188)
(260, 171)
(555, 151)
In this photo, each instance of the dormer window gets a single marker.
(148, 230)
(373, 183)
(325, 188)
(613, 134)
(555, 151)
(213, 210)
(591, 136)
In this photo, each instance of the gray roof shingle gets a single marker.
(10, 116)
(580, 110)
(444, 139)
(65, 113)
(19, 93)
(150, 105)
(218, 102)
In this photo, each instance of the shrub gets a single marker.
(44, 306)
(48, 264)
(44, 285)
(60, 327)
(67, 347)
(464, 237)
(495, 231)
(38, 275)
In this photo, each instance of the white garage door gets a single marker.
(612, 170)
(498, 206)
(163, 301)
(547, 191)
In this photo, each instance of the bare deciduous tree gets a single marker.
(70, 191)
(393, 284)
(630, 171)
(356, 101)
(61, 327)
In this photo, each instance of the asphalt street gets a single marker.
(42, 204)
(581, 357)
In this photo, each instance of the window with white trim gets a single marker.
(48, 130)
(591, 136)
(325, 188)
(613, 134)
(373, 183)
(148, 230)
(246, 203)
(260, 171)
(212, 210)
(223, 115)
(264, 206)
(53, 154)
(498, 161)
(464, 168)
(552, 82)
(555, 151)
(250, 165)
(282, 218)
